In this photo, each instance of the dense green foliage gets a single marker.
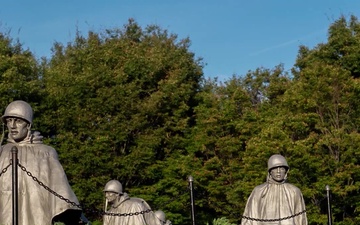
(132, 104)
(221, 221)
(20, 74)
(118, 106)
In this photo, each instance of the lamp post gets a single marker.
(328, 204)
(191, 180)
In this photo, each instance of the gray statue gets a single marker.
(118, 203)
(162, 217)
(36, 205)
(276, 201)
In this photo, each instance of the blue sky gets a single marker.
(232, 36)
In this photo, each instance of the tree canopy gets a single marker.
(132, 104)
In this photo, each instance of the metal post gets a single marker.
(328, 204)
(191, 179)
(14, 152)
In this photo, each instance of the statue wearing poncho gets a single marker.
(36, 206)
(124, 210)
(162, 217)
(276, 201)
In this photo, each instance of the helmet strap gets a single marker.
(106, 204)
(29, 135)
(2, 134)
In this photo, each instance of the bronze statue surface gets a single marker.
(162, 217)
(276, 201)
(40, 171)
(120, 209)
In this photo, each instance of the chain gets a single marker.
(274, 220)
(47, 188)
(127, 214)
(146, 211)
(5, 169)
(69, 201)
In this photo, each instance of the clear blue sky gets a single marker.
(232, 36)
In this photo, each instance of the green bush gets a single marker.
(221, 221)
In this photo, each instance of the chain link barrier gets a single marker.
(5, 169)
(23, 168)
(239, 216)
(274, 220)
(127, 214)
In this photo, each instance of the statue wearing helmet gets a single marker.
(162, 217)
(118, 206)
(18, 117)
(277, 161)
(113, 186)
(19, 109)
(276, 199)
(278, 168)
(113, 189)
(38, 206)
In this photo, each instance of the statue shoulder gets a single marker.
(260, 187)
(258, 190)
(140, 201)
(293, 188)
(50, 151)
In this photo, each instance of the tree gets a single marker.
(229, 115)
(118, 103)
(20, 73)
(322, 115)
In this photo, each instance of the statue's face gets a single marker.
(18, 128)
(111, 196)
(278, 173)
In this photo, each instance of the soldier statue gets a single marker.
(120, 209)
(40, 172)
(162, 217)
(276, 201)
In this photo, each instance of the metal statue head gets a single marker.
(19, 109)
(18, 118)
(113, 190)
(161, 216)
(114, 186)
(277, 161)
(278, 168)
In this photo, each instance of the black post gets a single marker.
(328, 204)
(191, 179)
(14, 152)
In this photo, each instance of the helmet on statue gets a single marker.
(114, 186)
(277, 161)
(160, 215)
(18, 109)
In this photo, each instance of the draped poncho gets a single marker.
(127, 205)
(275, 200)
(36, 206)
